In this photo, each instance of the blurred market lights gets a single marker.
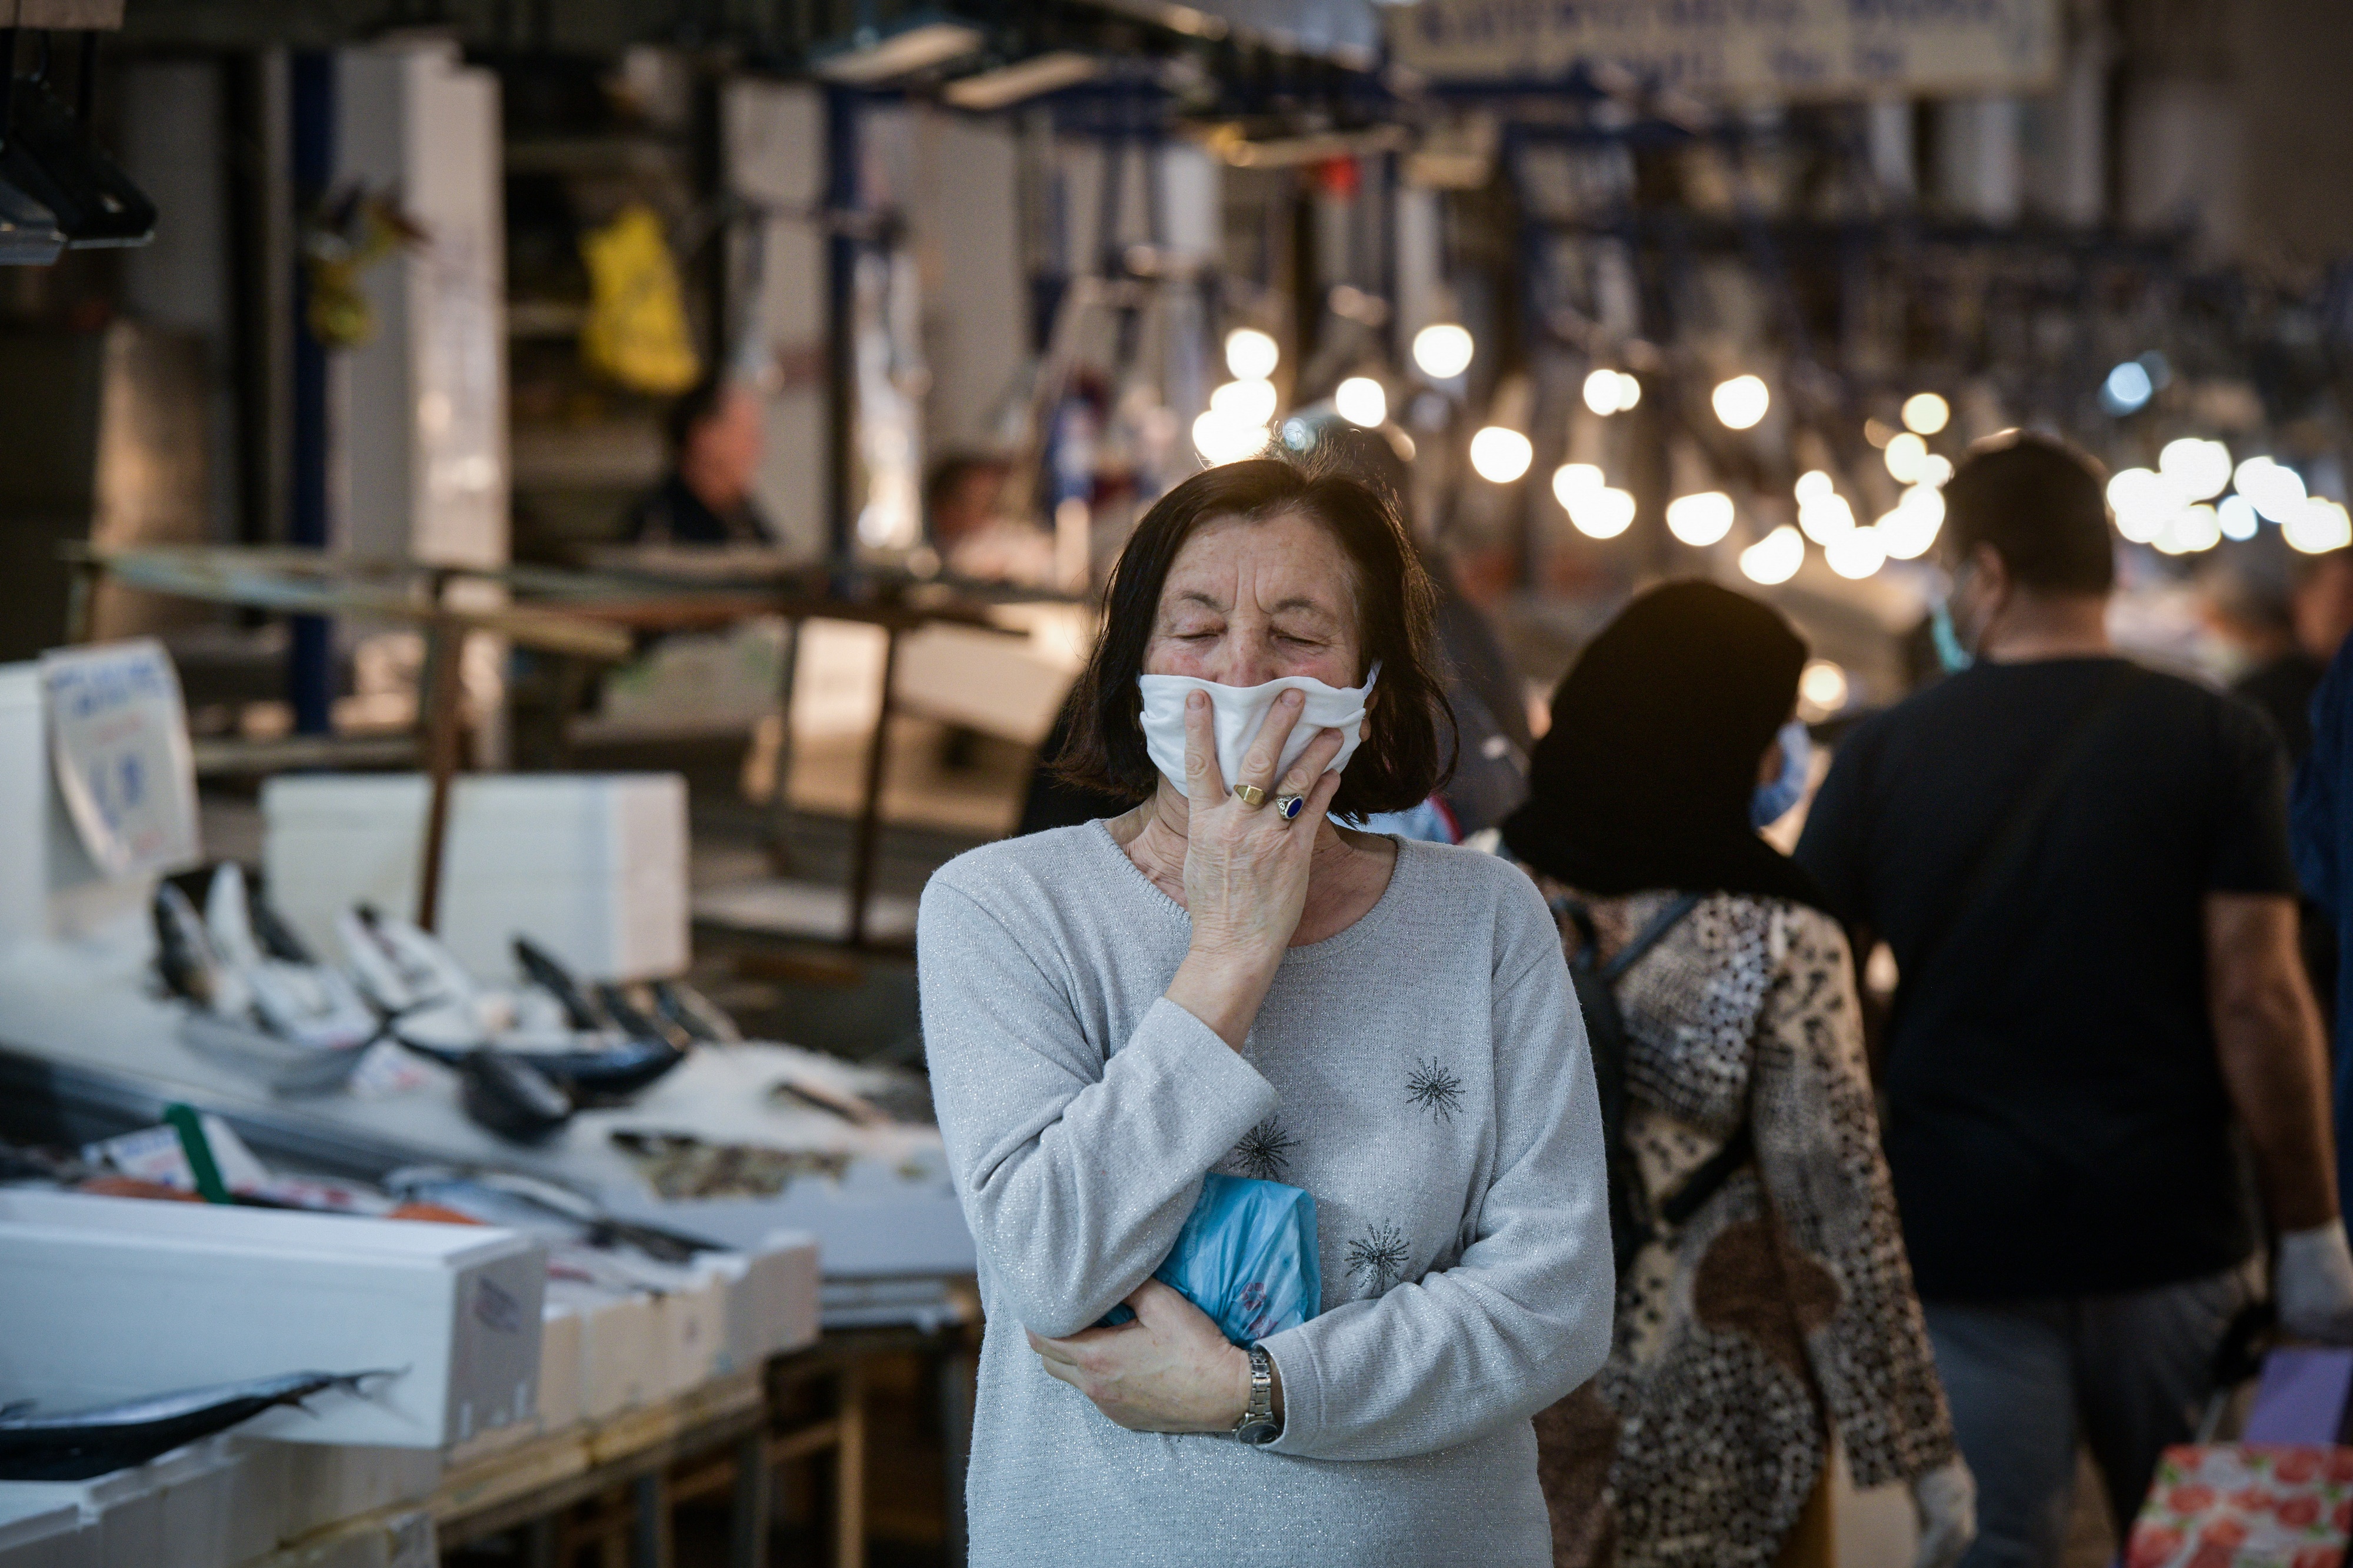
(1823, 690)
(1598, 511)
(1925, 412)
(1936, 470)
(1906, 456)
(1774, 558)
(2318, 526)
(1609, 392)
(1741, 402)
(1221, 439)
(1826, 518)
(2188, 529)
(1908, 530)
(1700, 519)
(1250, 355)
(1500, 455)
(2198, 470)
(1244, 402)
(1442, 350)
(1813, 485)
(1361, 401)
(1856, 553)
(2237, 518)
(2274, 489)
(2127, 388)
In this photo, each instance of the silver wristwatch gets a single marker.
(1258, 1425)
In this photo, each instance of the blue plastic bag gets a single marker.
(1247, 1258)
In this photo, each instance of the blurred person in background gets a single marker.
(962, 507)
(2082, 868)
(716, 434)
(1780, 1306)
(2293, 647)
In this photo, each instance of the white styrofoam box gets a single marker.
(559, 1367)
(24, 804)
(592, 867)
(170, 1512)
(44, 1535)
(326, 1482)
(691, 1322)
(258, 1495)
(992, 681)
(622, 1359)
(111, 1299)
(772, 1298)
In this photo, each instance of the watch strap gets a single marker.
(1258, 1425)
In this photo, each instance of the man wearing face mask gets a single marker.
(2081, 870)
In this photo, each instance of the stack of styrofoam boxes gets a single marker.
(730, 1312)
(592, 867)
(110, 1299)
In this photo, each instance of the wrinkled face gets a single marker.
(1250, 601)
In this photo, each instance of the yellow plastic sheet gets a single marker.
(635, 332)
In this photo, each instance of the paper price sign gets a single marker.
(119, 740)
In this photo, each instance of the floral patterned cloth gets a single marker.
(2242, 1505)
(1785, 1302)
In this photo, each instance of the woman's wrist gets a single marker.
(1224, 991)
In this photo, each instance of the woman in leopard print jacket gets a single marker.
(1782, 1308)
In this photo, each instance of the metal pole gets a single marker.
(870, 814)
(446, 649)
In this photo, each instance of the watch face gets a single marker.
(1258, 1432)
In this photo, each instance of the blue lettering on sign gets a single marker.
(133, 781)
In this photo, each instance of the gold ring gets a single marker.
(1249, 794)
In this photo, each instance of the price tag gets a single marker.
(119, 740)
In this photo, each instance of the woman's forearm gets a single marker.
(1224, 991)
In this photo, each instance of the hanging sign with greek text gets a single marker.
(1739, 49)
(119, 740)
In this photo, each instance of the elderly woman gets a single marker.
(1780, 1305)
(1223, 980)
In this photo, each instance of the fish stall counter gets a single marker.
(735, 1142)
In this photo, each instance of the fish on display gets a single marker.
(185, 955)
(544, 970)
(602, 1075)
(310, 1004)
(75, 1445)
(698, 1015)
(540, 1208)
(507, 1095)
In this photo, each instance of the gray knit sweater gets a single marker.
(1423, 1073)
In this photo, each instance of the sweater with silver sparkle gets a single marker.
(1423, 1073)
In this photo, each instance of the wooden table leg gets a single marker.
(749, 1524)
(850, 1470)
(870, 816)
(445, 654)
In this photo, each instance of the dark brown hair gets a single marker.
(1400, 762)
(2039, 502)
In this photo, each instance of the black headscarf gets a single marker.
(1644, 779)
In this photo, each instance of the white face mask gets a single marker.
(1238, 711)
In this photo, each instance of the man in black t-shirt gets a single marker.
(2081, 870)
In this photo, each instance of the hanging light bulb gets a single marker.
(2275, 489)
(1244, 402)
(1904, 455)
(1573, 479)
(1856, 553)
(1500, 455)
(1700, 519)
(2318, 526)
(1774, 558)
(1629, 391)
(1361, 401)
(2198, 469)
(1603, 513)
(2236, 517)
(1927, 413)
(1250, 355)
(1221, 439)
(1442, 350)
(1826, 518)
(1813, 485)
(1741, 402)
(1909, 528)
(1601, 391)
